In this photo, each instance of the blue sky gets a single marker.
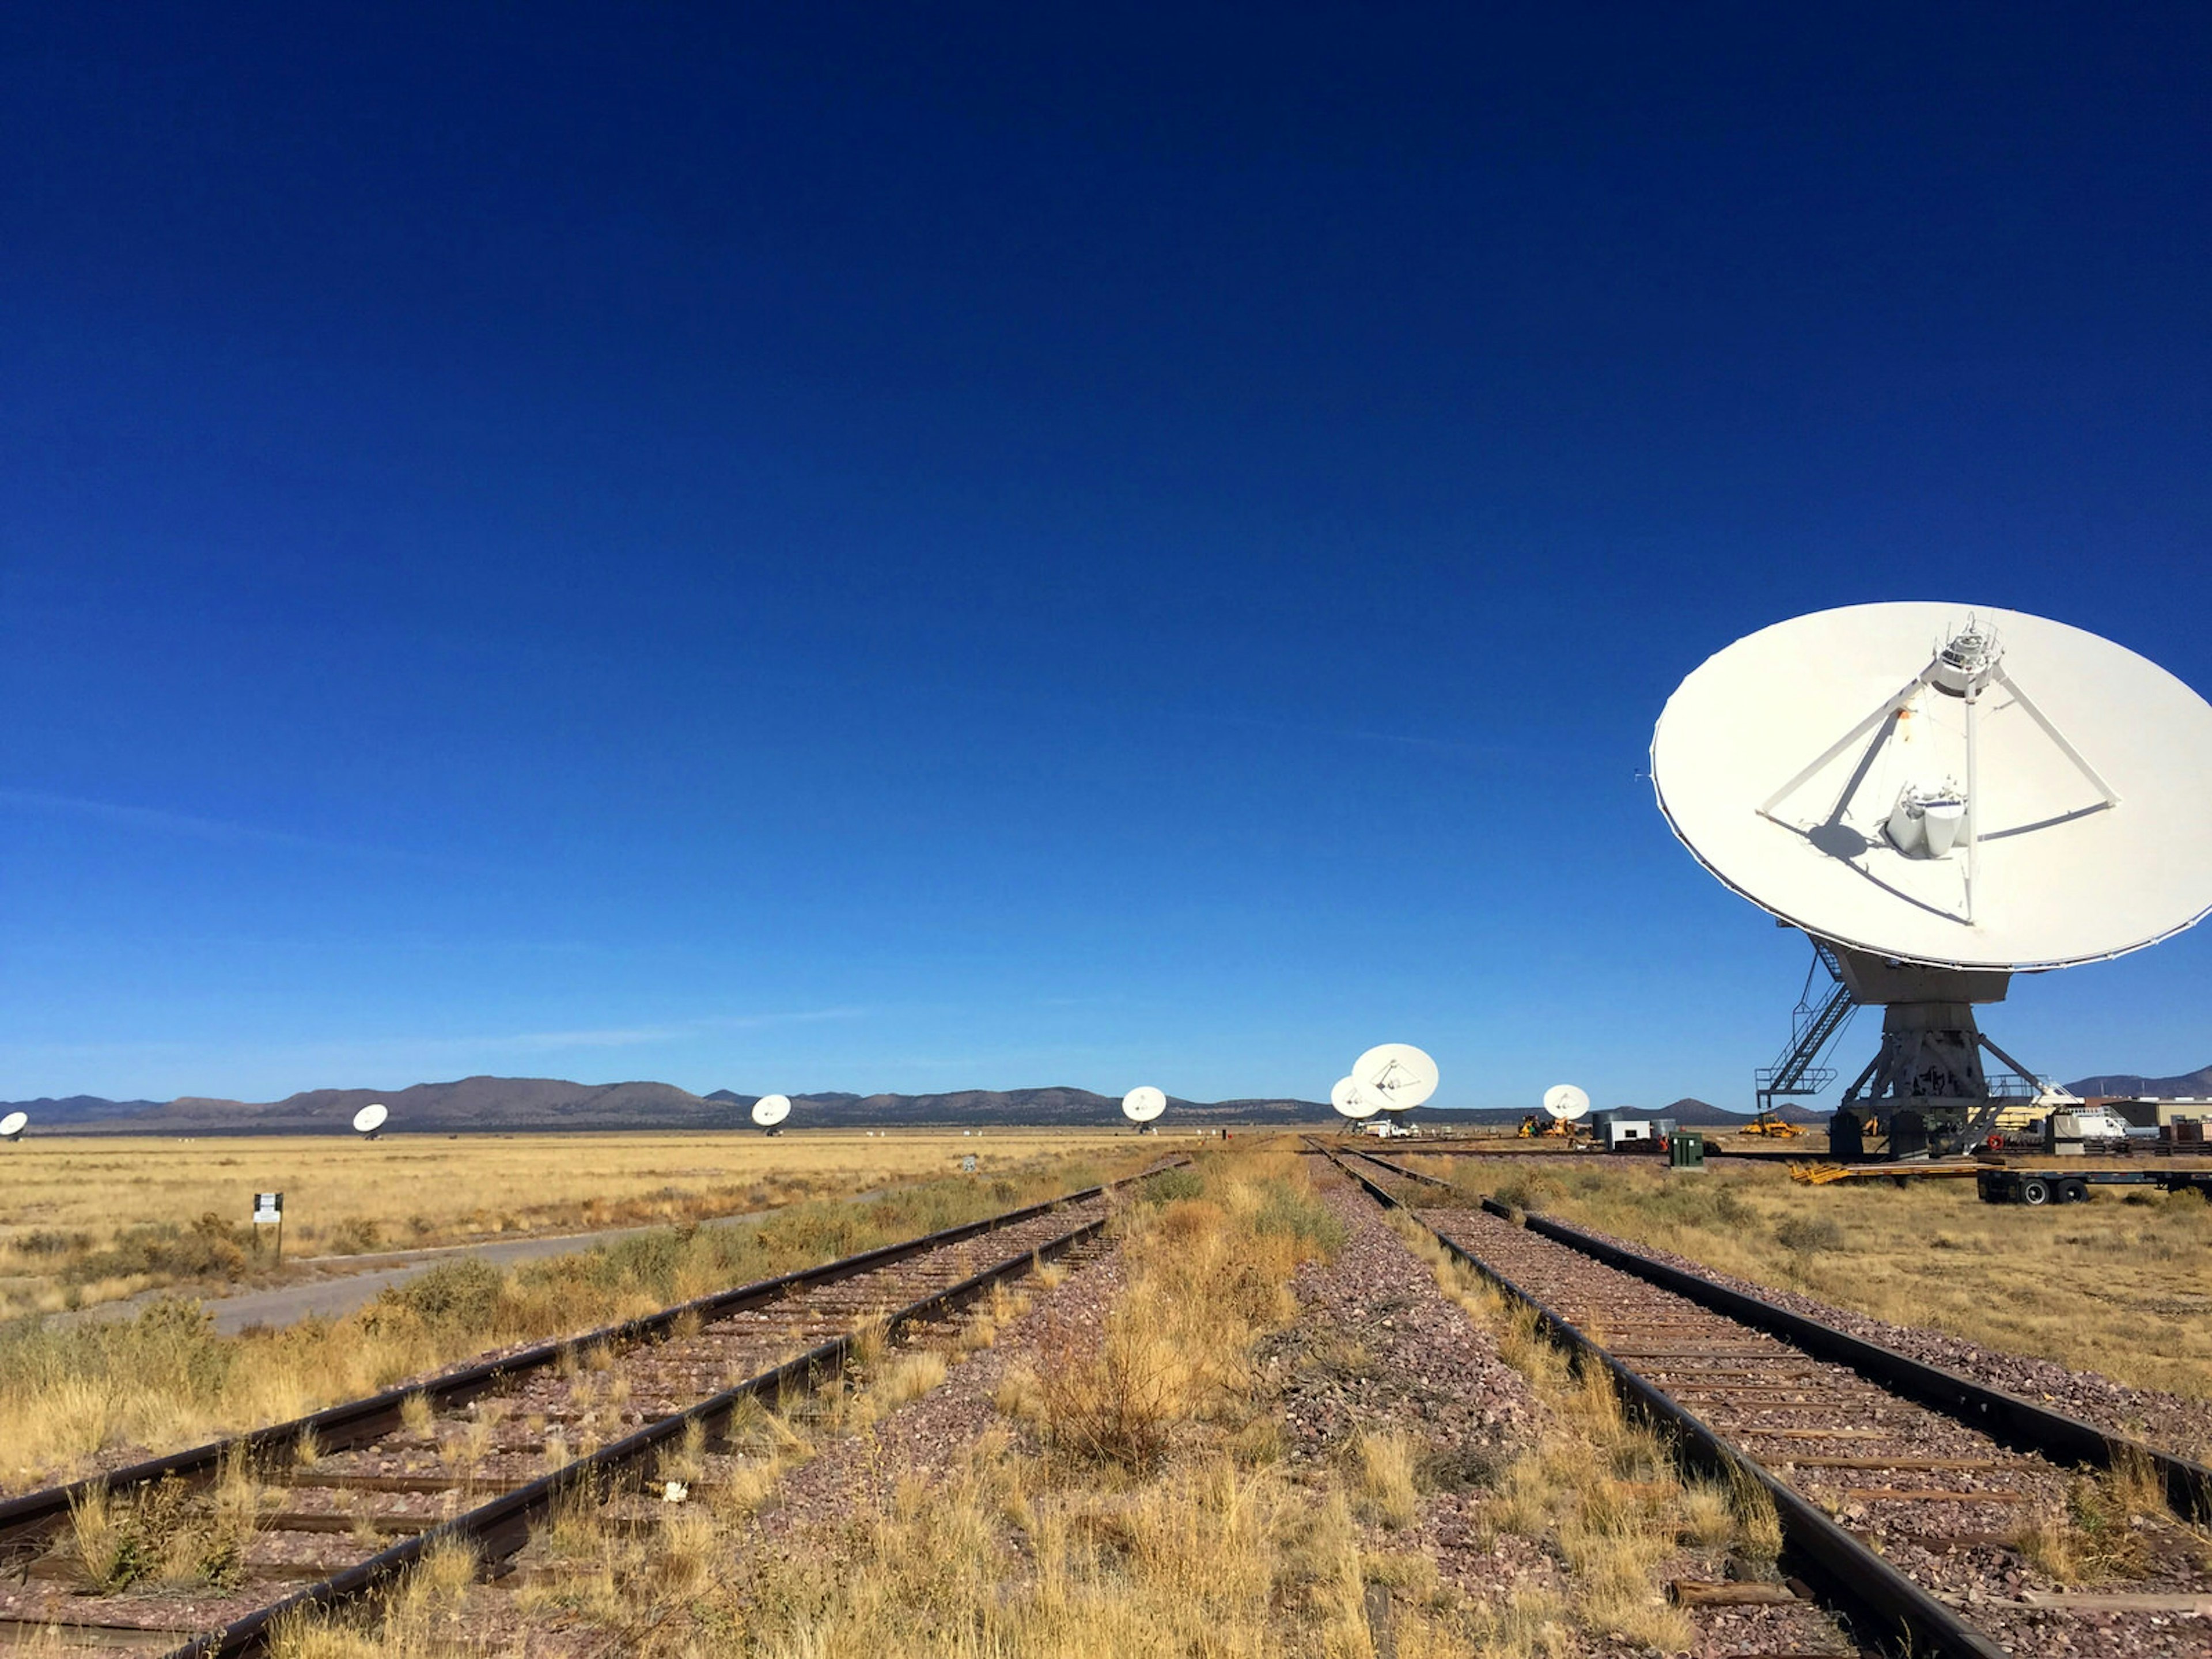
(902, 549)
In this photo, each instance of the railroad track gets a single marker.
(1903, 1488)
(483, 1455)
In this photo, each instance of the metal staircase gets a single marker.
(1819, 1018)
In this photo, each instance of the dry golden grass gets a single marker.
(2115, 1285)
(72, 1394)
(162, 1537)
(424, 1619)
(1384, 1465)
(1603, 1491)
(1127, 1506)
(94, 1219)
(1115, 1521)
(2098, 1537)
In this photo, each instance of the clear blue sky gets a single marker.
(912, 548)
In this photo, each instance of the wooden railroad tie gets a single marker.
(1702, 1593)
(1796, 1461)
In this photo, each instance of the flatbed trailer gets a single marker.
(2060, 1186)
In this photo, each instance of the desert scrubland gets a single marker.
(91, 1219)
(78, 1396)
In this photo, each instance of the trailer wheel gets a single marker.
(2035, 1190)
(2074, 1191)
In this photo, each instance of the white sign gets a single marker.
(968, 1165)
(268, 1209)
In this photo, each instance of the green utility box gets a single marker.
(1685, 1150)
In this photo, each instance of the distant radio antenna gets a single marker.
(769, 1112)
(1351, 1101)
(1397, 1075)
(12, 1126)
(1142, 1105)
(368, 1121)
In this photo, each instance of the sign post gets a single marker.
(269, 1212)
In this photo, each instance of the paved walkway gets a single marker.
(345, 1290)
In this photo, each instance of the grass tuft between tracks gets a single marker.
(72, 1397)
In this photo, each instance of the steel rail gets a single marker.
(25, 1520)
(1377, 1159)
(502, 1527)
(2001, 1415)
(1864, 1580)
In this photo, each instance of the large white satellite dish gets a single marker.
(370, 1118)
(1941, 796)
(770, 1110)
(1566, 1102)
(11, 1127)
(1352, 1101)
(1942, 785)
(1398, 1075)
(1142, 1103)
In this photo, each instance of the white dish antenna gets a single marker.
(1350, 1099)
(1945, 786)
(1398, 1076)
(1566, 1102)
(11, 1127)
(370, 1118)
(1142, 1103)
(770, 1110)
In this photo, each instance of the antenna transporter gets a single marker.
(1940, 797)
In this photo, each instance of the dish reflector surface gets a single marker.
(1564, 1100)
(2088, 831)
(771, 1109)
(12, 1124)
(1142, 1103)
(1349, 1098)
(1399, 1076)
(370, 1118)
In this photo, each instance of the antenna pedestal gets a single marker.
(1927, 1078)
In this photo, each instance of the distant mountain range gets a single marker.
(512, 1103)
(2190, 1085)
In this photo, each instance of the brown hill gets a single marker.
(508, 1104)
(2190, 1086)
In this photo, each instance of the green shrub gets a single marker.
(1170, 1185)
(209, 1249)
(1809, 1234)
(463, 1295)
(355, 1237)
(1527, 1190)
(1301, 1215)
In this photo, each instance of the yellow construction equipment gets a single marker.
(1818, 1174)
(1765, 1123)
